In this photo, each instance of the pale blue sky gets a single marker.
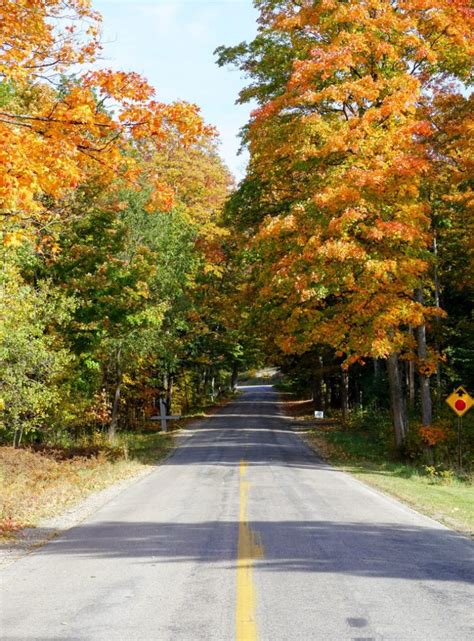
(171, 43)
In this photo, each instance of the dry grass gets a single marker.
(38, 485)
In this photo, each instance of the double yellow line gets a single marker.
(249, 548)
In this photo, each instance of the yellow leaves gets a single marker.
(33, 37)
(381, 347)
(68, 140)
(382, 270)
(213, 269)
(120, 85)
(350, 217)
(50, 142)
(273, 227)
(342, 250)
(142, 289)
(347, 147)
(14, 239)
(162, 198)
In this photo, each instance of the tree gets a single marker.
(57, 132)
(339, 143)
(34, 360)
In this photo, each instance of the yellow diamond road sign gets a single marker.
(460, 401)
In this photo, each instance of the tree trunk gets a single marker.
(411, 384)
(397, 400)
(213, 387)
(116, 404)
(186, 394)
(410, 378)
(168, 386)
(318, 387)
(437, 319)
(376, 369)
(17, 436)
(425, 392)
(234, 377)
(345, 394)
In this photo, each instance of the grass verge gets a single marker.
(40, 484)
(447, 499)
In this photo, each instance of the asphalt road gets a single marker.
(244, 535)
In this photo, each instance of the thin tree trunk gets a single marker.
(411, 384)
(345, 394)
(213, 387)
(186, 393)
(168, 387)
(234, 377)
(438, 305)
(318, 387)
(17, 436)
(425, 392)
(411, 378)
(397, 400)
(376, 369)
(116, 404)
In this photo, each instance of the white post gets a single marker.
(163, 415)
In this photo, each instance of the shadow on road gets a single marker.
(358, 549)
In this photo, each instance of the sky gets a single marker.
(171, 43)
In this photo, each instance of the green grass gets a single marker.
(448, 499)
(147, 448)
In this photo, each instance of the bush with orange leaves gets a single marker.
(432, 435)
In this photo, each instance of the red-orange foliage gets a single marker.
(52, 139)
(345, 148)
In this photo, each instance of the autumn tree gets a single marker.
(339, 151)
(56, 133)
(109, 201)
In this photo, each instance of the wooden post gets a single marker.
(163, 415)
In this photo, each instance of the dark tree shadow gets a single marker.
(358, 549)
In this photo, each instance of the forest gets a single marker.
(134, 268)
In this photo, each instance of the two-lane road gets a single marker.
(243, 534)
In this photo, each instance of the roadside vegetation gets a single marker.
(354, 230)
(427, 479)
(40, 482)
(115, 272)
(134, 270)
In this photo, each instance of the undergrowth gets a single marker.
(40, 482)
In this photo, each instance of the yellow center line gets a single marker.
(249, 548)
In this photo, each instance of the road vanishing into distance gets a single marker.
(243, 534)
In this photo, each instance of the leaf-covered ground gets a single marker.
(40, 484)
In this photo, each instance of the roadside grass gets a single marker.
(38, 484)
(41, 482)
(440, 494)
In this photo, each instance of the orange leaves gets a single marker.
(120, 85)
(162, 198)
(432, 435)
(43, 37)
(50, 141)
(341, 251)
